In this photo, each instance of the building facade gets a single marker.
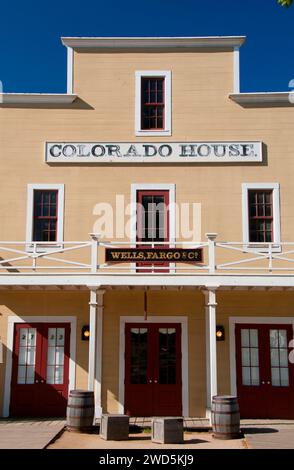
(147, 235)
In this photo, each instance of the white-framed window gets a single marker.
(261, 214)
(153, 103)
(45, 213)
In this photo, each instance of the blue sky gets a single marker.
(32, 58)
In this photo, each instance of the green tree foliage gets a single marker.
(285, 3)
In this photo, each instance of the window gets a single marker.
(260, 204)
(153, 103)
(152, 99)
(153, 216)
(45, 213)
(261, 213)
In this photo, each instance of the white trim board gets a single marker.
(12, 319)
(153, 42)
(253, 320)
(275, 188)
(183, 320)
(167, 102)
(30, 211)
(70, 64)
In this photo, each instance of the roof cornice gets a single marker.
(36, 98)
(152, 42)
(283, 98)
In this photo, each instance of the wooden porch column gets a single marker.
(95, 346)
(99, 342)
(92, 339)
(211, 356)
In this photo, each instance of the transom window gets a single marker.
(152, 99)
(260, 206)
(45, 215)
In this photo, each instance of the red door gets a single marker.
(39, 385)
(153, 384)
(265, 376)
(152, 224)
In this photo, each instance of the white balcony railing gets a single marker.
(88, 257)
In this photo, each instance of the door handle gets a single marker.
(263, 383)
(150, 381)
(155, 381)
(42, 381)
(36, 381)
(268, 383)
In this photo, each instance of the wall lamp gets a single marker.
(220, 333)
(85, 333)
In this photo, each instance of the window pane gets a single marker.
(60, 336)
(274, 338)
(51, 336)
(275, 376)
(275, 362)
(245, 356)
(246, 380)
(254, 338)
(244, 337)
(139, 340)
(50, 374)
(21, 375)
(284, 377)
(284, 357)
(30, 375)
(283, 338)
(254, 357)
(254, 376)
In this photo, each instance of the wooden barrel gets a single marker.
(80, 411)
(225, 417)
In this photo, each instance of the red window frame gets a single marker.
(140, 195)
(255, 220)
(44, 218)
(151, 104)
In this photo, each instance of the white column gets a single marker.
(99, 337)
(236, 70)
(211, 356)
(92, 339)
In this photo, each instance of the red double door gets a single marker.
(153, 376)
(40, 371)
(265, 374)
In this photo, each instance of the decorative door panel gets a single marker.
(40, 369)
(153, 384)
(265, 381)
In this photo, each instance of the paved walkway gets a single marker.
(41, 433)
(28, 434)
(192, 441)
(269, 434)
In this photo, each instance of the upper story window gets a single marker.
(153, 103)
(45, 213)
(260, 204)
(261, 213)
(152, 98)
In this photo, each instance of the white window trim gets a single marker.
(10, 335)
(254, 321)
(275, 187)
(183, 320)
(167, 102)
(30, 213)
